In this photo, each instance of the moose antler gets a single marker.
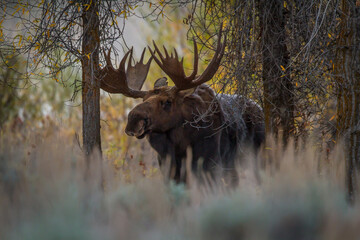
(174, 68)
(127, 82)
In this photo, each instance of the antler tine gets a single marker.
(158, 52)
(166, 53)
(196, 60)
(122, 63)
(136, 75)
(142, 56)
(107, 58)
(127, 82)
(130, 58)
(215, 62)
(155, 58)
(175, 69)
(176, 54)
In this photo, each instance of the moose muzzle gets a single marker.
(137, 125)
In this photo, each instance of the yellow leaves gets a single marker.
(88, 6)
(115, 21)
(282, 68)
(18, 9)
(47, 11)
(332, 65)
(37, 46)
(41, 3)
(124, 12)
(66, 58)
(18, 24)
(20, 40)
(225, 22)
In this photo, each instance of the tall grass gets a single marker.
(49, 192)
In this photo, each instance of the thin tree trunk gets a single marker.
(348, 96)
(90, 84)
(278, 88)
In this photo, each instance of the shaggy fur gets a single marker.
(212, 127)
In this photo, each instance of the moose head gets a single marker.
(164, 107)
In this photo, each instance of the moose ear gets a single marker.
(187, 92)
(161, 82)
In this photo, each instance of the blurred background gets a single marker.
(48, 192)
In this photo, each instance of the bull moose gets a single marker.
(189, 115)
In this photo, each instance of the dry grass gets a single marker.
(48, 193)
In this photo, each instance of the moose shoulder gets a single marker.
(188, 116)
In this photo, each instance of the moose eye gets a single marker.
(166, 105)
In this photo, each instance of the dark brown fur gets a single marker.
(175, 121)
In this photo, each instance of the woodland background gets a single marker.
(300, 60)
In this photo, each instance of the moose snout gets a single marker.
(129, 132)
(136, 125)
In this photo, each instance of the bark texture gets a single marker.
(90, 84)
(347, 74)
(278, 88)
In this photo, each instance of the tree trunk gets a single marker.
(347, 73)
(278, 88)
(90, 84)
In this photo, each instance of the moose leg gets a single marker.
(206, 158)
(228, 154)
(166, 152)
(230, 173)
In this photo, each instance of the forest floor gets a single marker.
(48, 192)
